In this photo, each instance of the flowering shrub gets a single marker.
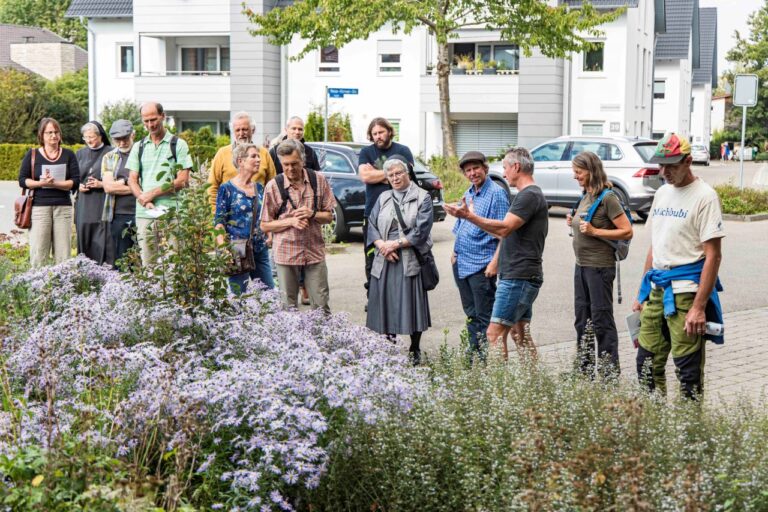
(236, 410)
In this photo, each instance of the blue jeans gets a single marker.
(514, 300)
(477, 294)
(263, 271)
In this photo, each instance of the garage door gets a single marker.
(490, 137)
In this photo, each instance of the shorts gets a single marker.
(514, 300)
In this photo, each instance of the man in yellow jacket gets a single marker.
(222, 168)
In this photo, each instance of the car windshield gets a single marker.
(698, 148)
(646, 150)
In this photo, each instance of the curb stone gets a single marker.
(745, 218)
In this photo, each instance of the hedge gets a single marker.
(11, 156)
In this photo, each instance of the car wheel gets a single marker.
(337, 229)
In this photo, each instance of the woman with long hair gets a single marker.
(52, 173)
(596, 264)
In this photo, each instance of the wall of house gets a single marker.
(719, 106)
(181, 16)
(639, 75)
(255, 76)
(392, 96)
(541, 99)
(673, 112)
(106, 83)
(701, 118)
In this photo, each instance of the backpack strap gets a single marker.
(593, 208)
(280, 182)
(174, 142)
(141, 153)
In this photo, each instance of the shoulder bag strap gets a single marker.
(399, 214)
(31, 192)
(253, 212)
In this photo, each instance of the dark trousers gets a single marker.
(370, 254)
(593, 301)
(477, 294)
(122, 229)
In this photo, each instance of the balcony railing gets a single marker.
(176, 72)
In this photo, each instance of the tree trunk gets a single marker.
(443, 75)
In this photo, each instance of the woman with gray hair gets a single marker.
(238, 208)
(92, 233)
(400, 224)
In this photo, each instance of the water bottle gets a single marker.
(714, 329)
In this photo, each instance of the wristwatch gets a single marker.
(400, 242)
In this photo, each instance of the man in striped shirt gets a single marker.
(475, 257)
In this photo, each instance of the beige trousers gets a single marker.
(149, 240)
(315, 281)
(51, 229)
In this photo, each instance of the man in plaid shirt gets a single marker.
(475, 256)
(296, 226)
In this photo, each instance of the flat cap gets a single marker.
(473, 156)
(120, 128)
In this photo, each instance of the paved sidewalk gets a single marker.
(738, 368)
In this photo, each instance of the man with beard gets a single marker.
(294, 129)
(371, 160)
(222, 167)
(119, 205)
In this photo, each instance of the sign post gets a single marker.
(744, 95)
(333, 92)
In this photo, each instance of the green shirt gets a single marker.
(157, 159)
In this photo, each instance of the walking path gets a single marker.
(738, 368)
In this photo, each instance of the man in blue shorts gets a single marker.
(522, 232)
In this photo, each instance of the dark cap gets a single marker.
(473, 156)
(120, 128)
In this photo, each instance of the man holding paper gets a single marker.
(678, 294)
(152, 178)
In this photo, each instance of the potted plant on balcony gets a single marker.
(430, 69)
(463, 64)
(479, 67)
(501, 68)
(490, 67)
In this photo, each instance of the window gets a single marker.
(126, 59)
(396, 127)
(329, 60)
(389, 57)
(334, 162)
(202, 61)
(549, 153)
(606, 152)
(592, 129)
(659, 89)
(593, 59)
(509, 54)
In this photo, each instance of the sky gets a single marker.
(731, 15)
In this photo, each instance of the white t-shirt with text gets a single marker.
(682, 218)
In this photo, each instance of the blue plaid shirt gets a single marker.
(474, 247)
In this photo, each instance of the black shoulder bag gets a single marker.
(242, 250)
(429, 274)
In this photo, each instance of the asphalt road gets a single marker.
(743, 272)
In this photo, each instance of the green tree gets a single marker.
(314, 127)
(46, 14)
(66, 100)
(750, 55)
(21, 105)
(555, 31)
(124, 109)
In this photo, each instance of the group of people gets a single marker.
(277, 200)
(498, 254)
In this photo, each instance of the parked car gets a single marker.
(339, 164)
(626, 161)
(700, 154)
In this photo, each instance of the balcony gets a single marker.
(176, 92)
(473, 93)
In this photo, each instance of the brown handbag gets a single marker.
(22, 207)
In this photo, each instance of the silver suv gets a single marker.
(626, 162)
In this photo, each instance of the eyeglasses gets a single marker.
(396, 174)
(51, 133)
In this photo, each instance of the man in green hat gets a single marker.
(678, 294)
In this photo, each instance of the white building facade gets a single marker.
(200, 62)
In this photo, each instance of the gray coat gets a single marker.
(418, 216)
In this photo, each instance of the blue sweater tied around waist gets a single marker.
(690, 272)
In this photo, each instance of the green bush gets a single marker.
(519, 437)
(742, 202)
(125, 109)
(761, 157)
(313, 129)
(454, 182)
(11, 156)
